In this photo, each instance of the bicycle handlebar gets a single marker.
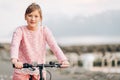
(51, 64)
(40, 66)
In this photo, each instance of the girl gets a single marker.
(29, 45)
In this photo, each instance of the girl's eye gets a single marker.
(29, 15)
(36, 16)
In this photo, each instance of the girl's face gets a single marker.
(33, 19)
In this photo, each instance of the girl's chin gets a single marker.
(32, 26)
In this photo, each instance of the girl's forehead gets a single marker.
(34, 12)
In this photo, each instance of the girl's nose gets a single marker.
(33, 18)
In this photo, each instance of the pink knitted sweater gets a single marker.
(30, 46)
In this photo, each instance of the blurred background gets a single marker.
(87, 31)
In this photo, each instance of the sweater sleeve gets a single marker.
(15, 43)
(53, 45)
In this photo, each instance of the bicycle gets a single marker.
(40, 66)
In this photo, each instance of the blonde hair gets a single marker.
(32, 7)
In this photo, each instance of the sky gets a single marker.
(65, 18)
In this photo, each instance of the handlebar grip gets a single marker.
(25, 65)
(13, 65)
(58, 65)
(55, 65)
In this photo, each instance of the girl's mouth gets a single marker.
(32, 22)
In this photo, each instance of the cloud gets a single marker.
(103, 24)
(68, 11)
(79, 7)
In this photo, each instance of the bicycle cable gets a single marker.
(49, 74)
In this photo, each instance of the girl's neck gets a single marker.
(32, 28)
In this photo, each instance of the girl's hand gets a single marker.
(18, 65)
(65, 64)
